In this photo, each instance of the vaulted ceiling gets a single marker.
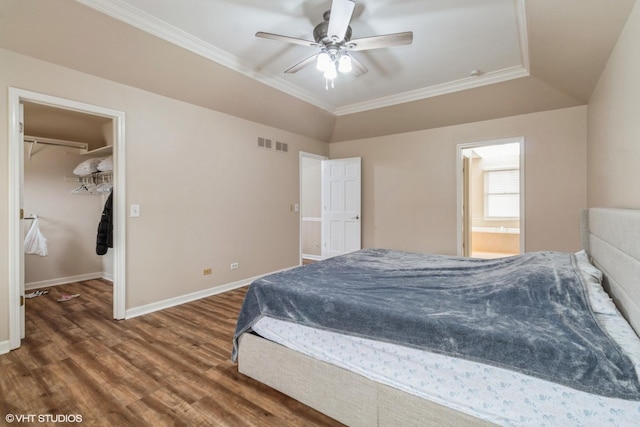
(528, 56)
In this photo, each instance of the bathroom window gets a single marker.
(502, 193)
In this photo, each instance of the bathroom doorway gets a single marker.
(491, 198)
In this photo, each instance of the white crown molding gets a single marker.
(457, 85)
(152, 25)
(521, 23)
(435, 90)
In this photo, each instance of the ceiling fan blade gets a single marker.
(357, 68)
(286, 39)
(300, 65)
(377, 42)
(341, 11)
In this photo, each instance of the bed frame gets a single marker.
(610, 236)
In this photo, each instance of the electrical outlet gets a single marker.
(234, 266)
(206, 271)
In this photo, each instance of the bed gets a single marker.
(441, 381)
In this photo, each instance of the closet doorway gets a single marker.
(61, 132)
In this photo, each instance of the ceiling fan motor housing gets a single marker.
(320, 32)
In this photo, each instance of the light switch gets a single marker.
(135, 211)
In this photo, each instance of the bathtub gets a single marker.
(495, 240)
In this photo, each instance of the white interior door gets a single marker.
(341, 206)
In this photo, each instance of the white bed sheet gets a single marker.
(498, 395)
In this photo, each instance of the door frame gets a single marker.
(460, 188)
(16, 149)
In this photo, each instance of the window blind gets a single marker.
(502, 193)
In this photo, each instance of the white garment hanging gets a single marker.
(35, 242)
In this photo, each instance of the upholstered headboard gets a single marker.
(611, 237)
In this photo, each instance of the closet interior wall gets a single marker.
(68, 221)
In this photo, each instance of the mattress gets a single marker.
(490, 393)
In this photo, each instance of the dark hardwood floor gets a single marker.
(170, 367)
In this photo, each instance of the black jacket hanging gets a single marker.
(105, 228)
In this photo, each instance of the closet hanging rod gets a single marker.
(53, 141)
(91, 176)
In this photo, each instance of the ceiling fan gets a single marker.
(333, 38)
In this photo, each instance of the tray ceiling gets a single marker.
(453, 39)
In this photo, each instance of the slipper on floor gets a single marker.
(36, 293)
(67, 297)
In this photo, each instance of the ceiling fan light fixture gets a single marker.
(330, 71)
(323, 62)
(344, 64)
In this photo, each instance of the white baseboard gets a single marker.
(172, 302)
(64, 280)
(4, 347)
(312, 257)
(148, 308)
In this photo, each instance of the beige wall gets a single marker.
(311, 182)
(614, 125)
(311, 238)
(208, 196)
(310, 206)
(68, 221)
(409, 181)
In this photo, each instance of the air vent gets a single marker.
(264, 143)
(282, 146)
(268, 144)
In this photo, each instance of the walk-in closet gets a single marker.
(68, 176)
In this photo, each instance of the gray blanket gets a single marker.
(529, 313)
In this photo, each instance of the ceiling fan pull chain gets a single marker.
(326, 83)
